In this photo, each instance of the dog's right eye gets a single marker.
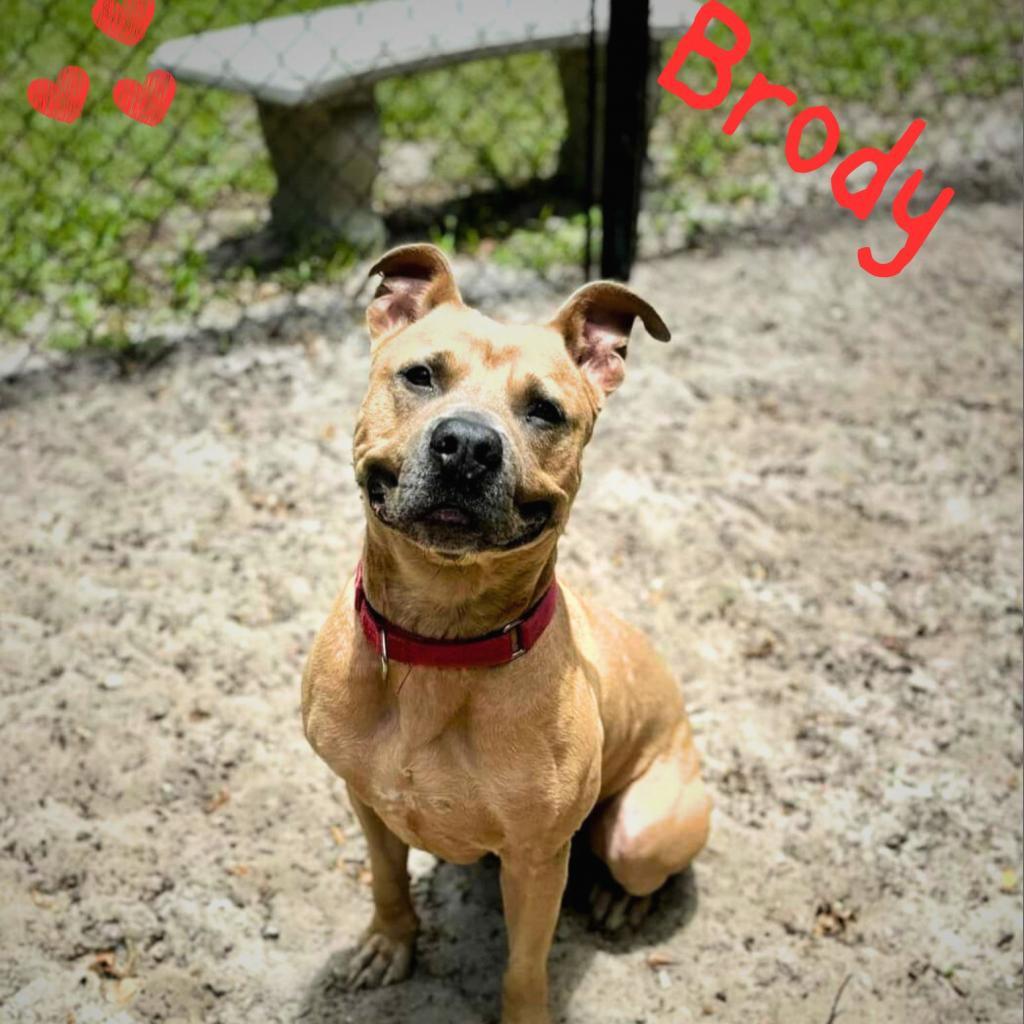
(418, 376)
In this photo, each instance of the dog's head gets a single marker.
(471, 434)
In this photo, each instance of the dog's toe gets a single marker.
(611, 910)
(600, 903)
(379, 961)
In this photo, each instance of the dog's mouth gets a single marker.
(452, 524)
(449, 515)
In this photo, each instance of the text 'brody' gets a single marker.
(859, 202)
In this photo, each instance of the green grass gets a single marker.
(84, 208)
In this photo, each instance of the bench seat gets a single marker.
(312, 77)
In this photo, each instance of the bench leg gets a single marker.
(326, 158)
(573, 72)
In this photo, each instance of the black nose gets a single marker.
(465, 450)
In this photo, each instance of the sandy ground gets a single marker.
(812, 499)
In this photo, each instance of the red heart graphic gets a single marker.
(62, 100)
(147, 103)
(125, 21)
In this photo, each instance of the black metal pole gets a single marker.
(588, 255)
(625, 135)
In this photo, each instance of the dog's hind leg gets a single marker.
(654, 827)
(384, 954)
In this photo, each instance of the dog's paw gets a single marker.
(612, 908)
(378, 961)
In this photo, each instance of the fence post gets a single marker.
(625, 134)
(592, 129)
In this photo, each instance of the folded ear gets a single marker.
(415, 279)
(596, 322)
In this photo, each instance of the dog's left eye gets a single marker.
(418, 376)
(545, 411)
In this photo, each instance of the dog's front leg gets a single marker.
(531, 891)
(384, 955)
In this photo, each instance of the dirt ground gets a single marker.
(812, 499)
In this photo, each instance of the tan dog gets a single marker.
(468, 452)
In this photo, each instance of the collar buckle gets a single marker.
(383, 652)
(517, 638)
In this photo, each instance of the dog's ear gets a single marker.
(596, 322)
(415, 279)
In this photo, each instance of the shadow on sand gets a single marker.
(461, 949)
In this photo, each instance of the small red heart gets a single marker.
(147, 103)
(125, 21)
(62, 100)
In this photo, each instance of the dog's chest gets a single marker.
(418, 766)
(434, 806)
(462, 766)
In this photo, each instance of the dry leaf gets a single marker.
(337, 835)
(218, 801)
(896, 644)
(761, 647)
(239, 870)
(832, 919)
(106, 966)
(366, 877)
(41, 901)
(1008, 880)
(656, 959)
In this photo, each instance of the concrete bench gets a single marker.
(312, 76)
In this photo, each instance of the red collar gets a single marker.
(498, 648)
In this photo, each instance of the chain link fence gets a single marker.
(296, 149)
